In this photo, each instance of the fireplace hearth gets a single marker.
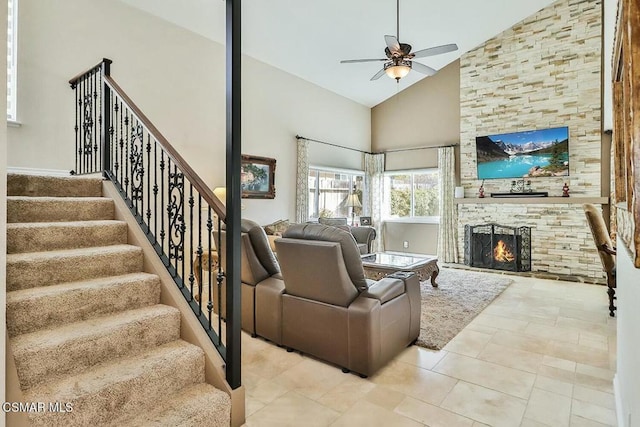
(497, 247)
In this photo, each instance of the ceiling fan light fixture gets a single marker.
(397, 70)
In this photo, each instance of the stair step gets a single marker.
(199, 405)
(52, 186)
(111, 391)
(29, 310)
(71, 349)
(57, 209)
(35, 269)
(49, 236)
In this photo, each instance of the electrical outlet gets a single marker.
(405, 244)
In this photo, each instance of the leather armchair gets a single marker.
(262, 285)
(331, 311)
(364, 235)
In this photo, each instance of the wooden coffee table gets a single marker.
(381, 264)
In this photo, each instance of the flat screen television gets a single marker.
(527, 154)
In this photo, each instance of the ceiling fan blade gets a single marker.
(392, 43)
(351, 61)
(421, 68)
(377, 75)
(438, 50)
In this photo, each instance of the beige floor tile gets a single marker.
(579, 354)
(311, 378)
(477, 424)
(422, 357)
(602, 373)
(507, 380)
(500, 322)
(594, 382)
(587, 316)
(366, 413)
(480, 328)
(596, 397)
(556, 362)
(591, 343)
(556, 386)
(468, 343)
(552, 333)
(289, 410)
(267, 391)
(520, 341)
(346, 394)
(557, 373)
(431, 415)
(252, 405)
(485, 405)
(593, 412)
(548, 408)
(411, 380)
(270, 361)
(581, 325)
(511, 357)
(584, 422)
(384, 397)
(526, 422)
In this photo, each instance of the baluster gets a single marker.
(155, 192)
(148, 182)
(210, 282)
(200, 284)
(83, 125)
(75, 89)
(122, 133)
(96, 135)
(183, 228)
(191, 204)
(219, 279)
(114, 124)
(162, 233)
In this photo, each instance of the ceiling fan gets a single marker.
(399, 60)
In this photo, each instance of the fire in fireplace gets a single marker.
(498, 247)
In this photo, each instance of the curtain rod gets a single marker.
(369, 152)
(333, 145)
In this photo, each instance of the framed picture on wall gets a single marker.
(365, 220)
(257, 177)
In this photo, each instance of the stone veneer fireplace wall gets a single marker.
(543, 72)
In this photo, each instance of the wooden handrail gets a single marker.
(188, 172)
(74, 80)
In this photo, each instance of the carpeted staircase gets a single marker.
(85, 323)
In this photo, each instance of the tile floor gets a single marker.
(542, 354)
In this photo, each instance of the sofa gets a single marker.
(364, 235)
(329, 309)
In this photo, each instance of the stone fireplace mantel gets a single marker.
(533, 200)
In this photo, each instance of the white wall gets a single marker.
(177, 78)
(627, 382)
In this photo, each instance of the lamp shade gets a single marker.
(221, 193)
(353, 201)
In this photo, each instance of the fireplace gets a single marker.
(498, 247)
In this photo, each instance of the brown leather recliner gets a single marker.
(331, 311)
(262, 284)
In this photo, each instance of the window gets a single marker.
(411, 194)
(12, 45)
(329, 189)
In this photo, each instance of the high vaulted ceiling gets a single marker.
(308, 38)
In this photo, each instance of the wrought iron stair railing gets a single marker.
(171, 203)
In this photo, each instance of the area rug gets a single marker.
(457, 300)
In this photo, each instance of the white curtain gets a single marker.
(373, 195)
(302, 182)
(448, 231)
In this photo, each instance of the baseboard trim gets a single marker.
(37, 171)
(618, 400)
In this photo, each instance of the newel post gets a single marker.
(106, 129)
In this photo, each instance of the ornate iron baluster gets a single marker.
(148, 182)
(175, 213)
(125, 168)
(219, 279)
(191, 204)
(162, 232)
(155, 192)
(136, 164)
(116, 164)
(96, 133)
(210, 281)
(200, 251)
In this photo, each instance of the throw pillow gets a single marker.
(277, 228)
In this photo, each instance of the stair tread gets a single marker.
(192, 406)
(120, 370)
(70, 199)
(87, 328)
(66, 224)
(64, 253)
(47, 291)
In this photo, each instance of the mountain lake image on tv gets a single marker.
(527, 154)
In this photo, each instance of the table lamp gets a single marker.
(353, 202)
